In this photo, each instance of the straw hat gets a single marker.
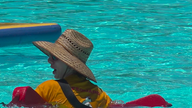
(73, 48)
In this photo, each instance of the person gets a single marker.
(67, 57)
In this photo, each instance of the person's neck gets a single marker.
(69, 73)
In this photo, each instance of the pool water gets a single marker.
(141, 47)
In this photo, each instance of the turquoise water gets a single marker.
(141, 47)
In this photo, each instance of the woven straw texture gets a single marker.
(73, 48)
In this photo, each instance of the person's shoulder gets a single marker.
(49, 83)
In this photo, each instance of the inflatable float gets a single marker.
(22, 33)
(27, 97)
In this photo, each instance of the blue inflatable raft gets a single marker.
(21, 33)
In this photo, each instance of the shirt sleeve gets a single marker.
(40, 90)
(44, 89)
(102, 101)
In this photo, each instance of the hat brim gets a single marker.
(58, 51)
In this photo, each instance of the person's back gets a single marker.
(51, 92)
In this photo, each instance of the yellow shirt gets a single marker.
(51, 92)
